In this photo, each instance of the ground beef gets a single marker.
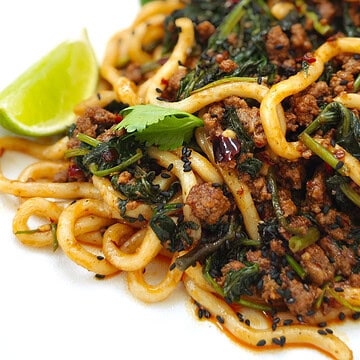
(205, 29)
(317, 265)
(287, 205)
(305, 108)
(292, 174)
(342, 257)
(234, 265)
(277, 45)
(320, 90)
(173, 84)
(327, 11)
(249, 118)
(299, 222)
(316, 195)
(342, 81)
(270, 290)
(228, 65)
(354, 12)
(277, 247)
(257, 188)
(93, 122)
(134, 73)
(300, 43)
(256, 257)
(124, 177)
(212, 119)
(61, 176)
(207, 202)
(354, 280)
(336, 224)
(302, 298)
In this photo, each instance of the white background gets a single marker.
(49, 307)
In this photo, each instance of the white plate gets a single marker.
(53, 309)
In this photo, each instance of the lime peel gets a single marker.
(40, 101)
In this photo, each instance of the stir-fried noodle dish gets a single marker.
(224, 138)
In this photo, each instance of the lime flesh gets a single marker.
(40, 102)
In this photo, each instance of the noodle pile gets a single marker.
(88, 212)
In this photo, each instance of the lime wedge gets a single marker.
(40, 101)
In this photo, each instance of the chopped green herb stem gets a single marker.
(115, 169)
(88, 140)
(296, 266)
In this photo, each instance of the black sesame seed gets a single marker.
(240, 316)
(322, 324)
(288, 322)
(259, 80)
(99, 276)
(273, 327)
(165, 175)
(326, 300)
(306, 287)
(220, 319)
(260, 284)
(356, 316)
(326, 209)
(141, 218)
(279, 47)
(247, 322)
(344, 82)
(165, 193)
(158, 90)
(170, 167)
(339, 165)
(329, 331)
(160, 98)
(276, 341)
(332, 142)
(310, 312)
(187, 167)
(200, 313)
(100, 257)
(339, 289)
(172, 266)
(276, 320)
(322, 332)
(261, 342)
(300, 318)
(207, 314)
(98, 95)
(282, 340)
(341, 316)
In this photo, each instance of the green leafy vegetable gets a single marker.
(219, 234)
(160, 126)
(142, 188)
(300, 240)
(172, 234)
(250, 21)
(238, 282)
(342, 191)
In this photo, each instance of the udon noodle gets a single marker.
(257, 214)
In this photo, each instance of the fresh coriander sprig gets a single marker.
(156, 125)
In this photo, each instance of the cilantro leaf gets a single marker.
(155, 125)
